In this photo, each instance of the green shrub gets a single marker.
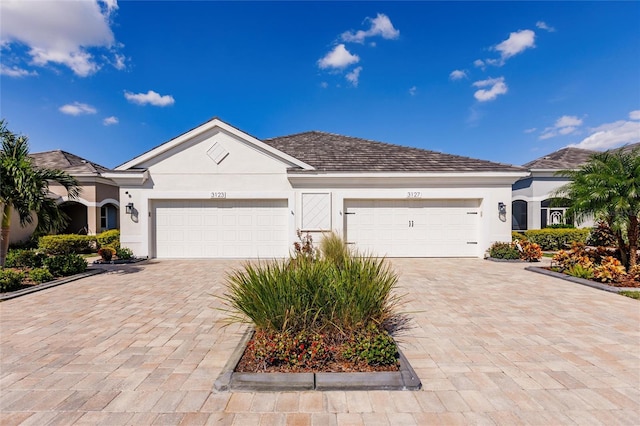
(373, 346)
(40, 275)
(124, 253)
(10, 280)
(66, 244)
(556, 239)
(65, 264)
(24, 259)
(109, 238)
(500, 250)
(560, 226)
(515, 235)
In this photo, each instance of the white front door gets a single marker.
(221, 228)
(413, 228)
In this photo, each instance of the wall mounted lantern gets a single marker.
(502, 208)
(128, 209)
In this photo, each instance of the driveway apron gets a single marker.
(491, 343)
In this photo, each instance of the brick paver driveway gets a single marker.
(492, 344)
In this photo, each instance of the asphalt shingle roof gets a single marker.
(569, 158)
(67, 162)
(566, 158)
(336, 153)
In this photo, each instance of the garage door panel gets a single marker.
(221, 228)
(413, 228)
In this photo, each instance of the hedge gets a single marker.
(67, 243)
(556, 239)
(109, 238)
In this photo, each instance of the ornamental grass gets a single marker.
(330, 307)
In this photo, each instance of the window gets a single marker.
(108, 217)
(519, 215)
(553, 215)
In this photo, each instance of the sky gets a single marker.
(500, 81)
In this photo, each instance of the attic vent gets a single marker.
(217, 153)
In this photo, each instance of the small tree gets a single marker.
(25, 189)
(608, 187)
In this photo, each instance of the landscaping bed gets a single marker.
(319, 313)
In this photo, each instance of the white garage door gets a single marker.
(221, 228)
(414, 228)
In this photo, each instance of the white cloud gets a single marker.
(565, 125)
(15, 71)
(516, 43)
(413, 90)
(497, 87)
(479, 63)
(531, 130)
(339, 58)
(324, 84)
(353, 76)
(611, 135)
(110, 120)
(60, 32)
(380, 26)
(543, 26)
(77, 108)
(151, 98)
(457, 75)
(635, 115)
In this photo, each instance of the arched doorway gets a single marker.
(108, 217)
(78, 223)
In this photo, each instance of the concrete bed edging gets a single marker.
(588, 283)
(229, 380)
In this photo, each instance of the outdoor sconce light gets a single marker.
(502, 208)
(128, 209)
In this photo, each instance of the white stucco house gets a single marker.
(217, 192)
(531, 205)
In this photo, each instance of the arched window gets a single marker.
(519, 215)
(553, 212)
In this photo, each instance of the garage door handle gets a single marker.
(472, 242)
(349, 213)
(348, 243)
(472, 212)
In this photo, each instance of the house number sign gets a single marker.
(414, 194)
(218, 194)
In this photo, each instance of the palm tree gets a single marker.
(25, 189)
(608, 187)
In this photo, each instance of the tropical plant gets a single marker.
(608, 187)
(609, 270)
(334, 249)
(25, 189)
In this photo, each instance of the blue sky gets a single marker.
(500, 81)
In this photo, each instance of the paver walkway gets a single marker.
(492, 344)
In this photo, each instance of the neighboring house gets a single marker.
(217, 192)
(531, 206)
(95, 210)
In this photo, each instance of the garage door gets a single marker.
(221, 228)
(414, 228)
